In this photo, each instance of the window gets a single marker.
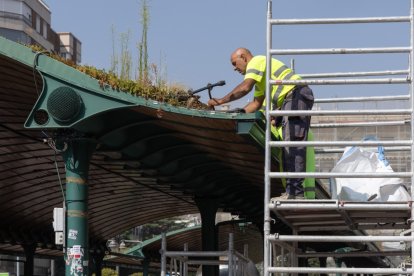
(38, 23)
(78, 52)
(45, 29)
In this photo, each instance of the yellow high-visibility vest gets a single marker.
(256, 69)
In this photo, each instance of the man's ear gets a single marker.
(243, 56)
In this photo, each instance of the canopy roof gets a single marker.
(152, 159)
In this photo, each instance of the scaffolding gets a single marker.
(333, 221)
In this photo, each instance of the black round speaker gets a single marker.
(41, 117)
(64, 104)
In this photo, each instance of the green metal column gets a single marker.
(76, 154)
(209, 236)
(145, 267)
(98, 261)
(29, 251)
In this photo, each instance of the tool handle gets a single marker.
(209, 86)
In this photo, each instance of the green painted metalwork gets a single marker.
(77, 155)
(137, 250)
(255, 130)
(209, 235)
(145, 267)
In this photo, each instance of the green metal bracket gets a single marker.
(63, 104)
(255, 129)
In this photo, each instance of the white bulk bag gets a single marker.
(356, 159)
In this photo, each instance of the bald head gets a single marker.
(239, 59)
(242, 52)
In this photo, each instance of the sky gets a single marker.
(192, 40)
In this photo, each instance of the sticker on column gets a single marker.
(76, 252)
(73, 234)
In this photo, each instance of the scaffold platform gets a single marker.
(335, 215)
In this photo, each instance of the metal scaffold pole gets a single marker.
(411, 75)
(266, 246)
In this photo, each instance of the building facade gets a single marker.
(29, 22)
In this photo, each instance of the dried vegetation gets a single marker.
(175, 95)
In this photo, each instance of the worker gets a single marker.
(284, 97)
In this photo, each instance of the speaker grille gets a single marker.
(64, 104)
(41, 117)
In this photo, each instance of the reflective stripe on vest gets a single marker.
(279, 71)
(279, 90)
(255, 71)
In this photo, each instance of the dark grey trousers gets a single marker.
(296, 128)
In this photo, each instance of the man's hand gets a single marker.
(213, 102)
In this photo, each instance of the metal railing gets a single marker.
(281, 252)
(180, 260)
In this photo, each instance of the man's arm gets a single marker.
(238, 92)
(255, 105)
